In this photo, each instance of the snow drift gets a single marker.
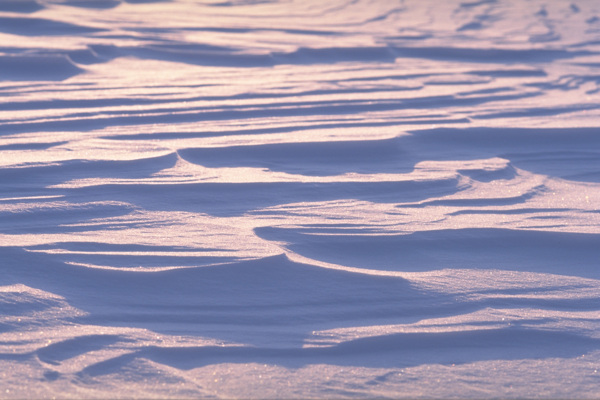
(299, 199)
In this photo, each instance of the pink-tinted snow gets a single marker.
(299, 199)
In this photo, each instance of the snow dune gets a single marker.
(299, 199)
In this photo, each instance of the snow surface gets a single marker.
(299, 199)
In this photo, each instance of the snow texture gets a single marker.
(299, 199)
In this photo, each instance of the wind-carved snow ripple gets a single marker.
(219, 189)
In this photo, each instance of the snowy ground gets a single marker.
(299, 199)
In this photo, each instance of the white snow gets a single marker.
(299, 199)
